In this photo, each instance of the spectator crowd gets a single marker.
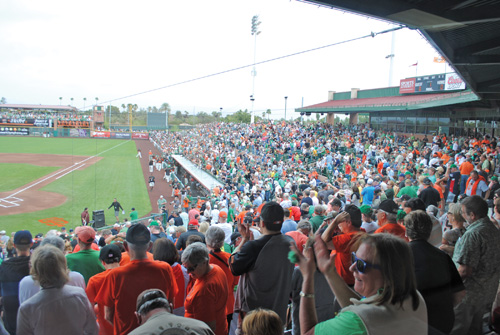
(317, 229)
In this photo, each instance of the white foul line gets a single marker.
(70, 171)
(59, 172)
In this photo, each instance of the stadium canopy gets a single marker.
(205, 179)
(391, 103)
(465, 32)
(39, 108)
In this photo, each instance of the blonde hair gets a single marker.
(262, 322)
(48, 267)
(204, 227)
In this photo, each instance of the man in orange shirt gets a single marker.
(349, 223)
(110, 257)
(121, 286)
(387, 219)
(465, 169)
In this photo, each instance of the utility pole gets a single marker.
(286, 98)
(255, 32)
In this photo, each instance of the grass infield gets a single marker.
(118, 174)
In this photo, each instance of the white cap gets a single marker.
(370, 181)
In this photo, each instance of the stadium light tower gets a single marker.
(255, 32)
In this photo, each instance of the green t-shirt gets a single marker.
(86, 262)
(407, 190)
(345, 323)
(134, 215)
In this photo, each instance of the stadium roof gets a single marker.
(48, 108)
(465, 32)
(401, 102)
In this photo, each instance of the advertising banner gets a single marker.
(26, 122)
(78, 133)
(407, 85)
(73, 124)
(453, 82)
(100, 134)
(126, 136)
(430, 84)
(14, 131)
(142, 136)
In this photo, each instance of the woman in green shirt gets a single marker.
(384, 300)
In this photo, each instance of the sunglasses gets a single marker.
(191, 268)
(362, 265)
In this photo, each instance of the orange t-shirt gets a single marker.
(466, 168)
(126, 258)
(181, 285)
(122, 286)
(342, 244)
(206, 301)
(232, 280)
(93, 287)
(394, 229)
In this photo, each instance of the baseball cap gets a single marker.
(234, 236)
(355, 214)
(453, 166)
(223, 215)
(494, 178)
(3, 232)
(110, 252)
(23, 237)
(365, 209)
(138, 234)
(85, 234)
(193, 223)
(154, 223)
(389, 206)
(272, 212)
(427, 181)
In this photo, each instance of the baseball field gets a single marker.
(45, 183)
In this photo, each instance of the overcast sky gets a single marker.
(113, 49)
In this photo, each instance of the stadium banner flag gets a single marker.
(141, 136)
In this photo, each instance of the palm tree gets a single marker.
(165, 108)
(72, 101)
(268, 113)
(96, 99)
(60, 100)
(84, 101)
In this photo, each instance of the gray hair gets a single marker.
(304, 224)
(55, 241)
(195, 253)
(215, 237)
(319, 209)
(431, 209)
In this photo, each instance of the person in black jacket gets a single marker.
(11, 273)
(117, 208)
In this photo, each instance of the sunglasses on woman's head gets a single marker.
(362, 265)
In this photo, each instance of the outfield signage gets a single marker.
(429, 84)
(26, 122)
(73, 124)
(78, 133)
(125, 136)
(117, 135)
(141, 136)
(100, 134)
(14, 131)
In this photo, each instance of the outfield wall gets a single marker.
(70, 132)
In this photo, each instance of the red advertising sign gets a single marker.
(407, 85)
(142, 136)
(100, 134)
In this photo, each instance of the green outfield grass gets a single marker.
(118, 175)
